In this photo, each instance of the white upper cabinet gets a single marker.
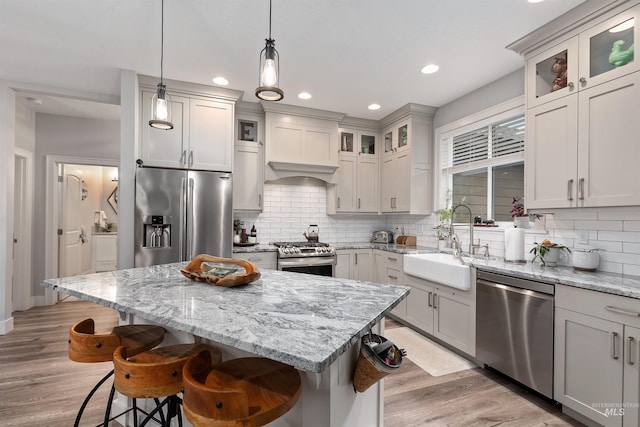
(202, 136)
(582, 130)
(248, 162)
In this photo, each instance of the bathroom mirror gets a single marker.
(113, 199)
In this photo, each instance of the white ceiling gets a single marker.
(346, 53)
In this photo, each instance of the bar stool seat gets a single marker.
(244, 392)
(156, 373)
(85, 346)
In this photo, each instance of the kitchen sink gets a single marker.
(440, 268)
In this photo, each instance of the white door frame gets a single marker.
(22, 259)
(52, 203)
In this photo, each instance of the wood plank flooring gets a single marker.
(40, 386)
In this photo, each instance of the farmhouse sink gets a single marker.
(440, 268)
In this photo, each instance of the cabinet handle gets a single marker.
(614, 353)
(429, 298)
(570, 86)
(435, 299)
(629, 353)
(622, 311)
(338, 202)
(392, 259)
(391, 203)
(183, 157)
(259, 200)
(358, 202)
(191, 158)
(356, 263)
(583, 81)
(570, 190)
(581, 189)
(393, 277)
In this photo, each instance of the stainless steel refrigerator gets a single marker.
(180, 214)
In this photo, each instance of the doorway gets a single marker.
(78, 195)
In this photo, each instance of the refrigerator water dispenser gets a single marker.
(157, 231)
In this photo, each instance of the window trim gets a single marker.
(473, 121)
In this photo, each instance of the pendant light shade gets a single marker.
(269, 71)
(161, 101)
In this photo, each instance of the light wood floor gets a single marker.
(40, 386)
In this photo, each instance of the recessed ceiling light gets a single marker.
(624, 26)
(536, 1)
(304, 95)
(430, 69)
(374, 107)
(220, 81)
(33, 100)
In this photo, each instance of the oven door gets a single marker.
(321, 265)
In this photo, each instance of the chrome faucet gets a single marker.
(471, 244)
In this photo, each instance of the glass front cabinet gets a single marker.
(597, 55)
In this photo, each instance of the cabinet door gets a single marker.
(210, 136)
(420, 308)
(631, 376)
(363, 265)
(606, 49)
(388, 184)
(348, 142)
(367, 185)
(343, 268)
(608, 143)
(165, 148)
(403, 136)
(588, 365)
(551, 154)
(380, 268)
(553, 73)
(248, 177)
(346, 185)
(454, 320)
(402, 182)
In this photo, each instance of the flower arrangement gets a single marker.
(539, 250)
(237, 225)
(517, 207)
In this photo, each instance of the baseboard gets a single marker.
(6, 326)
(38, 301)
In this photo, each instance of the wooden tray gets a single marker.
(195, 271)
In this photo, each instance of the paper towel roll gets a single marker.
(514, 244)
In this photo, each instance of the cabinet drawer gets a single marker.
(598, 304)
(265, 260)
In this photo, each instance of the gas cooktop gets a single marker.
(302, 244)
(304, 249)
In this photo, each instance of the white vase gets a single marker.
(521, 221)
(551, 257)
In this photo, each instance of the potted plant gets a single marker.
(547, 252)
(520, 218)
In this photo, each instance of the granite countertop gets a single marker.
(303, 320)
(391, 247)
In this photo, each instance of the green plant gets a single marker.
(541, 249)
(237, 225)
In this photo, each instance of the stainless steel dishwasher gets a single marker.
(514, 329)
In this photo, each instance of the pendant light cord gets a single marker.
(162, 40)
(269, 19)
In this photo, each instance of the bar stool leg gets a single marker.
(89, 396)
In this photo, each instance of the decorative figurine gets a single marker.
(559, 69)
(619, 57)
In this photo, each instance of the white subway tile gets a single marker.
(631, 270)
(632, 248)
(598, 225)
(631, 226)
(620, 236)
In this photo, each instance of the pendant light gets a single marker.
(268, 89)
(161, 101)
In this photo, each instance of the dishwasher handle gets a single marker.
(528, 292)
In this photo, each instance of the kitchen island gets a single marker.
(313, 323)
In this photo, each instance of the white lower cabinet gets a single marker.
(265, 260)
(356, 264)
(388, 268)
(105, 252)
(447, 314)
(596, 356)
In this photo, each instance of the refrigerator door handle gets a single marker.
(183, 210)
(190, 220)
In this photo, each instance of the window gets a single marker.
(482, 164)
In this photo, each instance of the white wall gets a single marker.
(25, 128)
(65, 136)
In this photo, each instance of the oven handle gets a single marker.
(305, 262)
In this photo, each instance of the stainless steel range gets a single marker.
(307, 257)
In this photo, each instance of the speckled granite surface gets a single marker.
(303, 320)
(257, 248)
(616, 284)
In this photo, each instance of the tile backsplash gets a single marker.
(290, 209)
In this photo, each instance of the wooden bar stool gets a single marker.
(156, 374)
(244, 392)
(85, 346)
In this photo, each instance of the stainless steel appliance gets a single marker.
(382, 236)
(180, 214)
(514, 329)
(307, 257)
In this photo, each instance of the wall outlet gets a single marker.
(583, 237)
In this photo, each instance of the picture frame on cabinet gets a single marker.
(113, 199)
(247, 130)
